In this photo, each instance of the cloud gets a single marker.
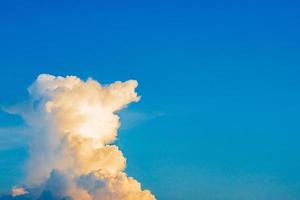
(73, 126)
(18, 191)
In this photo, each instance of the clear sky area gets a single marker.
(219, 82)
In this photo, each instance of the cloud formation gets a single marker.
(72, 155)
(17, 191)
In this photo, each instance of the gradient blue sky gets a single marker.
(220, 110)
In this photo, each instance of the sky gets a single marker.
(219, 80)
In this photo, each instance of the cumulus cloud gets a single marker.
(74, 124)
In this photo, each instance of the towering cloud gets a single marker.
(72, 155)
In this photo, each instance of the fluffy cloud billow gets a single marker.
(73, 127)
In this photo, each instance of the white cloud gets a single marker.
(73, 125)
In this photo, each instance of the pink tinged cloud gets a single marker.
(18, 191)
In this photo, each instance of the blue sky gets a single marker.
(219, 115)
